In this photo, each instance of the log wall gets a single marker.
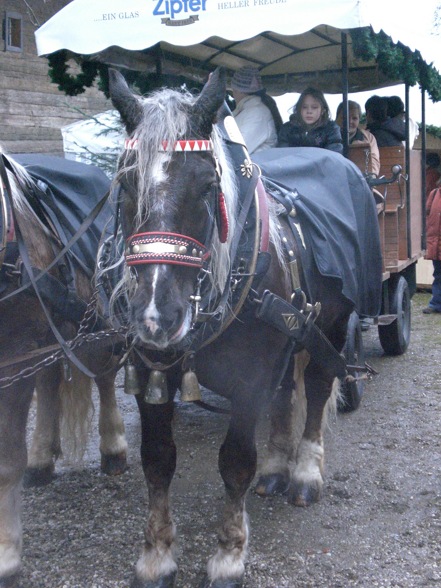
(32, 109)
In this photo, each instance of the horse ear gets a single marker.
(210, 100)
(123, 99)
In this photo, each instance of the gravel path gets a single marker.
(378, 523)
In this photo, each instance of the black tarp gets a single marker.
(338, 217)
(69, 191)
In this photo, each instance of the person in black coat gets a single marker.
(388, 131)
(310, 124)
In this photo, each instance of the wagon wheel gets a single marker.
(395, 337)
(351, 392)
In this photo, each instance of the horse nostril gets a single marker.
(151, 323)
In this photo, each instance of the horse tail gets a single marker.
(77, 412)
(299, 397)
(333, 402)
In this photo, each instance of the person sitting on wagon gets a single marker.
(310, 124)
(256, 113)
(358, 135)
(388, 131)
(395, 109)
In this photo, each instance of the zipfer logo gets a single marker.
(185, 10)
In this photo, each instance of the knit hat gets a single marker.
(247, 80)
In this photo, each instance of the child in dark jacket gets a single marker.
(310, 124)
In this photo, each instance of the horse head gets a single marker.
(171, 195)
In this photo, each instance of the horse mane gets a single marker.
(21, 182)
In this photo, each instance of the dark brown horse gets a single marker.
(204, 300)
(24, 328)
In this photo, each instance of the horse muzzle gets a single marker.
(161, 330)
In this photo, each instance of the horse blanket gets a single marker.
(68, 192)
(338, 218)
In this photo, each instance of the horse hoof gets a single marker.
(303, 494)
(9, 582)
(271, 484)
(163, 582)
(35, 477)
(236, 583)
(114, 465)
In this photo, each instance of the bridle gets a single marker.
(163, 247)
(173, 248)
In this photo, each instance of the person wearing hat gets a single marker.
(256, 113)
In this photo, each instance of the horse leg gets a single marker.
(46, 445)
(156, 567)
(113, 444)
(307, 478)
(237, 466)
(287, 423)
(14, 408)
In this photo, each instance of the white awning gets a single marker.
(290, 38)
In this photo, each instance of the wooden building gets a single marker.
(32, 109)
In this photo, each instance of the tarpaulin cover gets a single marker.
(69, 191)
(338, 217)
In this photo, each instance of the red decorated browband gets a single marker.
(184, 145)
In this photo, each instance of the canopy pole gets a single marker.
(423, 167)
(345, 92)
(407, 154)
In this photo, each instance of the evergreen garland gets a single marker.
(68, 83)
(72, 85)
(396, 60)
(432, 130)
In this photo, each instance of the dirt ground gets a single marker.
(378, 523)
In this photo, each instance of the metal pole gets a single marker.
(423, 167)
(408, 232)
(345, 92)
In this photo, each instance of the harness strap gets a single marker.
(302, 330)
(210, 330)
(27, 264)
(264, 216)
(67, 247)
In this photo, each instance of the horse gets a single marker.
(206, 305)
(28, 323)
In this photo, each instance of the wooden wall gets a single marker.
(32, 109)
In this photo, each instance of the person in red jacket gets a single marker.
(433, 174)
(433, 248)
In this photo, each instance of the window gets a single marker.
(13, 32)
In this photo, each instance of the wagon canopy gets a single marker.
(294, 43)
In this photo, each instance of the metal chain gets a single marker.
(89, 312)
(57, 355)
(78, 340)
